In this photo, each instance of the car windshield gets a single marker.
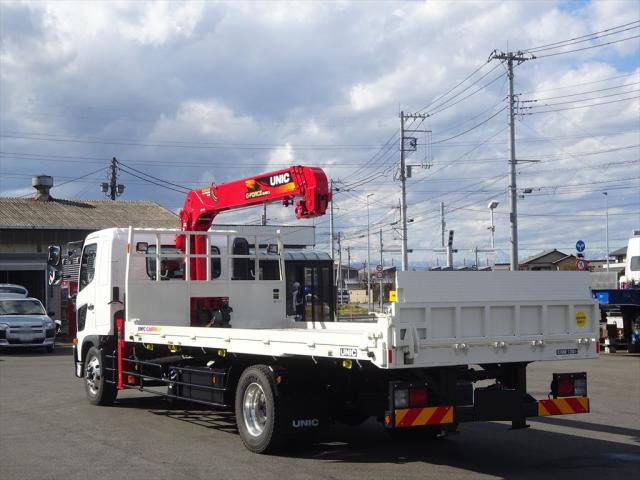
(21, 307)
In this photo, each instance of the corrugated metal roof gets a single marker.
(619, 252)
(306, 255)
(20, 213)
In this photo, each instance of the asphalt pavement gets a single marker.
(49, 431)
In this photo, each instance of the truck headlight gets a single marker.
(4, 326)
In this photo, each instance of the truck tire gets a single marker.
(98, 391)
(257, 410)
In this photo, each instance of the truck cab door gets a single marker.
(85, 301)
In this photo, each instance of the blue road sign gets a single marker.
(580, 246)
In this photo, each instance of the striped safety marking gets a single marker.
(413, 417)
(563, 406)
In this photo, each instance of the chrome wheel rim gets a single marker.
(254, 409)
(93, 375)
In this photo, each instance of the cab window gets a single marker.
(87, 265)
(171, 267)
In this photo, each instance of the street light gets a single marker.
(606, 211)
(492, 206)
(368, 257)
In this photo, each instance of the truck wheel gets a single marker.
(99, 392)
(256, 410)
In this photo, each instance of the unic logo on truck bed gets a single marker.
(306, 423)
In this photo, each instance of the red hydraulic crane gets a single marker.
(202, 205)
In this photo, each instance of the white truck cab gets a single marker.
(631, 275)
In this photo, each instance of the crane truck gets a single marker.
(215, 318)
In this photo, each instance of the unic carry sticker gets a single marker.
(581, 319)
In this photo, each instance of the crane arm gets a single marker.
(307, 186)
(202, 205)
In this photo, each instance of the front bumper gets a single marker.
(79, 366)
(16, 343)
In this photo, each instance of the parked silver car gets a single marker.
(25, 323)
(10, 290)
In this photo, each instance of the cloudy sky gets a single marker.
(201, 92)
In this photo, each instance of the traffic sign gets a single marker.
(379, 275)
(580, 246)
(379, 268)
(582, 264)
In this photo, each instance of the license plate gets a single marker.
(26, 338)
(567, 351)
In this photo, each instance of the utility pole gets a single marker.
(442, 222)
(403, 176)
(340, 280)
(368, 256)
(510, 57)
(606, 212)
(333, 267)
(450, 250)
(264, 214)
(113, 185)
(381, 263)
(331, 218)
(112, 188)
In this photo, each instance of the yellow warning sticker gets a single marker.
(581, 319)
(392, 296)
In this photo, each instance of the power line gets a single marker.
(581, 93)
(576, 100)
(454, 87)
(440, 105)
(101, 169)
(582, 106)
(584, 38)
(155, 178)
(579, 84)
(177, 144)
(470, 129)
(124, 169)
(588, 48)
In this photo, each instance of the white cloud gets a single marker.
(196, 92)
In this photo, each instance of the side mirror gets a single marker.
(142, 247)
(51, 314)
(54, 276)
(53, 256)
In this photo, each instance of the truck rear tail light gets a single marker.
(580, 387)
(565, 387)
(569, 385)
(418, 397)
(401, 398)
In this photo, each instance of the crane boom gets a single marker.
(202, 205)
